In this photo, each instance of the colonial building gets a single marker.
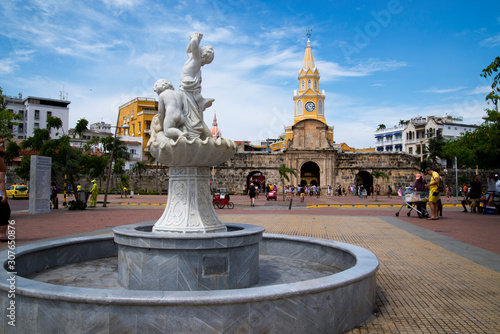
(409, 136)
(137, 114)
(34, 112)
(309, 148)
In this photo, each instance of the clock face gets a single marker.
(310, 106)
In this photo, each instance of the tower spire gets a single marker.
(308, 57)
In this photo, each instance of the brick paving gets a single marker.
(434, 277)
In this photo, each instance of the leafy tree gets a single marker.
(12, 151)
(80, 128)
(139, 168)
(402, 122)
(435, 149)
(284, 171)
(482, 146)
(379, 174)
(54, 123)
(7, 120)
(381, 127)
(39, 138)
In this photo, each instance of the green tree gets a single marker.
(139, 168)
(284, 171)
(381, 127)
(54, 123)
(36, 142)
(481, 147)
(435, 149)
(379, 174)
(66, 160)
(80, 128)
(12, 151)
(7, 120)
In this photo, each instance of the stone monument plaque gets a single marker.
(40, 173)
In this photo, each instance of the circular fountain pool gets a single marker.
(328, 300)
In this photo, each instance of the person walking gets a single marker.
(433, 193)
(251, 194)
(93, 197)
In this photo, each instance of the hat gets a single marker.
(419, 175)
(94, 181)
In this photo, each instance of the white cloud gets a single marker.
(7, 66)
(491, 41)
(441, 91)
(480, 90)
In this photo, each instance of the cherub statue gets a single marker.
(191, 71)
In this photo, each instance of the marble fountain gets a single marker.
(187, 272)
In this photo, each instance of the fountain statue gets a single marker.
(181, 140)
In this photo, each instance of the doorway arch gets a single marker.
(366, 179)
(257, 178)
(309, 174)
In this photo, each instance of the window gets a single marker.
(309, 83)
(20, 128)
(320, 107)
(315, 84)
(148, 125)
(133, 151)
(37, 114)
(21, 114)
(410, 150)
(303, 84)
(298, 108)
(36, 125)
(140, 127)
(49, 114)
(133, 129)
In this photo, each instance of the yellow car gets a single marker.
(18, 191)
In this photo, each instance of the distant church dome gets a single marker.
(215, 129)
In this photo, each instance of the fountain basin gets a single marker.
(334, 303)
(188, 261)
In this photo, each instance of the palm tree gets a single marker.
(381, 127)
(80, 128)
(139, 168)
(284, 171)
(377, 174)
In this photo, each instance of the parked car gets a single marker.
(18, 191)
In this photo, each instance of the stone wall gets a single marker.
(234, 174)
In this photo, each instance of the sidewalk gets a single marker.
(434, 276)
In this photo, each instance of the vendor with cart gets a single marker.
(419, 186)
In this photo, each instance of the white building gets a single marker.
(100, 130)
(390, 139)
(34, 112)
(417, 131)
(97, 130)
(421, 129)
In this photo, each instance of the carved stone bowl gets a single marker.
(194, 152)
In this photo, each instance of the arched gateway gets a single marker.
(309, 174)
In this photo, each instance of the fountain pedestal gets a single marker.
(188, 262)
(189, 205)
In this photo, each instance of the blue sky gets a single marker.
(379, 61)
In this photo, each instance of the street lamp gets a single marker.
(126, 127)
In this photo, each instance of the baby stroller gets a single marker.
(413, 201)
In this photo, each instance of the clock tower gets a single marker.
(309, 104)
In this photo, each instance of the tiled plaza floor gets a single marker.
(434, 276)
